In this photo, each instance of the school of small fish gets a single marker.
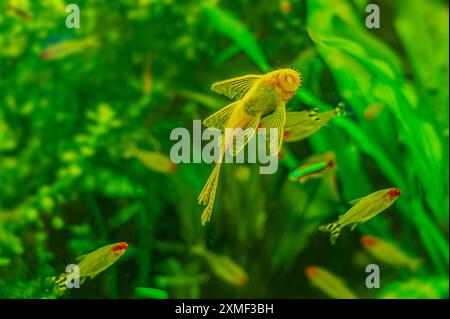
(261, 103)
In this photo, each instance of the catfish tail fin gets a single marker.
(208, 193)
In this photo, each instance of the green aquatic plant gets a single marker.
(67, 123)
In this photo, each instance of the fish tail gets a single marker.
(59, 282)
(341, 109)
(334, 229)
(208, 194)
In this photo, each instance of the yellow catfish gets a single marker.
(256, 96)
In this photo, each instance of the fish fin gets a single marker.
(59, 282)
(355, 201)
(354, 226)
(80, 258)
(265, 119)
(277, 121)
(249, 131)
(236, 88)
(334, 229)
(340, 109)
(219, 119)
(298, 118)
(208, 193)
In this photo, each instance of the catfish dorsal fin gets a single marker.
(355, 201)
(236, 88)
(80, 258)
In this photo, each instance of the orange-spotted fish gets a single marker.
(329, 283)
(66, 48)
(363, 209)
(19, 12)
(155, 161)
(314, 167)
(373, 110)
(285, 6)
(389, 253)
(92, 264)
(222, 266)
(300, 125)
(255, 95)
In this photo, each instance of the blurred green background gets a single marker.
(72, 101)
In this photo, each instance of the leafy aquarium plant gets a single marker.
(86, 176)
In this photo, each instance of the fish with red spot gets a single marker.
(363, 209)
(92, 264)
(19, 12)
(389, 253)
(315, 166)
(329, 283)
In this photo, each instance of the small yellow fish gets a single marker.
(92, 264)
(329, 283)
(389, 253)
(19, 12)
(285, 6)
(147, 75)
(373, 110)
(65, 48)
(300, 125)
(222, 266)
(154, 161)
(256, 96)
(314, 167)
(364, 209)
